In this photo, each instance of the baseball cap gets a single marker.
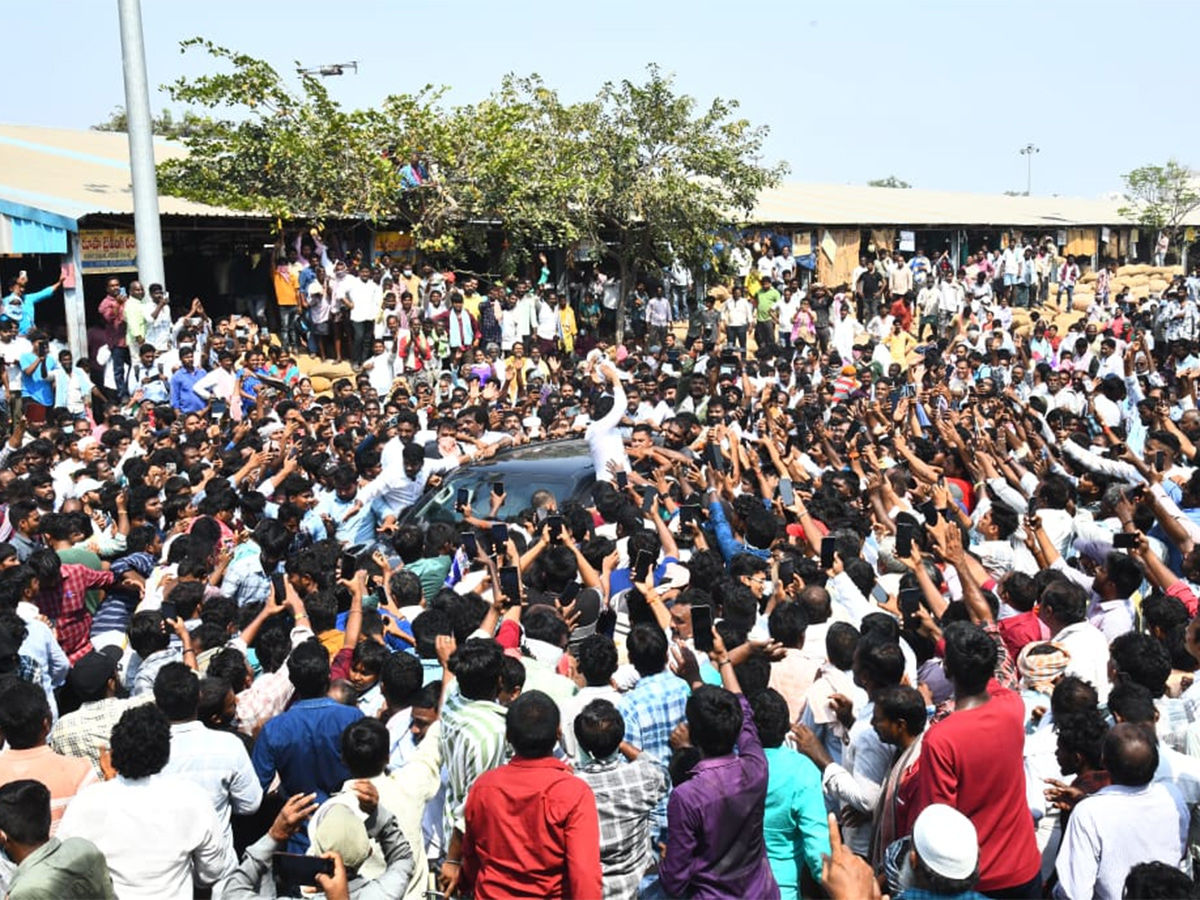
(91, 672)
(85, 485)
(946, 842)
(338, 827)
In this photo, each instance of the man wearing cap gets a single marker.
(944, 859)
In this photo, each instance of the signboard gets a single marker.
(108, 250)
(908, 241)
(396, 245)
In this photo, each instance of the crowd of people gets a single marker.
(902, 606)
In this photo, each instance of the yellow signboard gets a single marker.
(395, 244)
(108, 250)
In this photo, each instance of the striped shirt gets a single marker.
(472, 742)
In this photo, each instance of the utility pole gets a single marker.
(1027, 151)
(146, 223)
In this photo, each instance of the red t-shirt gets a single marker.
(1021, 629)
(984, 779)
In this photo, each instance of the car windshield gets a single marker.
(439, 506)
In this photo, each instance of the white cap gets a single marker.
(946, 842)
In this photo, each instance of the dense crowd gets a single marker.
(881, 588)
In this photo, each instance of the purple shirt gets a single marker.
(715, 842)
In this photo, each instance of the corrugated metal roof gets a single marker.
(77, 173)
(836, 204)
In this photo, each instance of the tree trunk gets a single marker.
(621, 292)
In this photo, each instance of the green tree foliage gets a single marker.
(890, 182)
(164, 124)
(1161, 197)
(635, 171)
(666, 182)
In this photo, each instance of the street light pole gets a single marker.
(146, 224)
(1027, 151)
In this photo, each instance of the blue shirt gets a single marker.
(36, 388)
(21, 309)
(183, 397)
(729, 545)
(304, 746)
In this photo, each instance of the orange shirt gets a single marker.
(64, 776)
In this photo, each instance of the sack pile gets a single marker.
(1142, 281)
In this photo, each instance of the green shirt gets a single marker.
(73, 868)
(766, 302)
(432, 571)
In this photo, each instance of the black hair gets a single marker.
(366, 747)
(901, 703)
(370, 656)
(1145, 881)
(177, 692)
(770, 717)
(880, 660)
(532, 725)
(146, 633)
(599, 729)
(1131, 754)
(512, 675)
(25, 811)
(1143, 659)
(970, 658)
(753, 674)
(841, 640)
(24, 713)
(308, 669)
(1073, 694)
(647, 648)
(1129, 701)
(714, 718)
(431, 624)
(141, 742)
(597, 659)
(476, 664)
(401, 679)
(788, 623)
(187, 597)
(1082, 733)
(1066, 600)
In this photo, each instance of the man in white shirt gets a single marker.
(1063, 609)
(12, 348)
(157, 831)
(363, 297)
(216, 761)
(603, 435)
(1133, 820)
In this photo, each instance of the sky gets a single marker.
(940, 94)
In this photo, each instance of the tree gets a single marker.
(163, 125)
(665, 183)
(890, 182)
(1161, 197)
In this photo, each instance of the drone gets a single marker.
(331, 69)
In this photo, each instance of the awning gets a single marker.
(26, 229)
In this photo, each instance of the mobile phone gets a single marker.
(787, 493)
(622, 480)
(649, 496)
(298, 868)
(466, 540)
(499, 537)
(168, 611)
(878, 594)
(349, 566)
(929, 512)
(910, 602)
(498, 488)
(1124, 540)
(689, 513)
(702, 625)
(715, 458)
(555, 524)
(641, 566)
(827, 549)
(462, 499)
(510, 584)
(569, 592)
(1160, 460)
(787, 572)
(280, 586)
(904, 537)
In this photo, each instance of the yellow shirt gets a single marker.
(471, 304)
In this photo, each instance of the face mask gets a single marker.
(768, 588)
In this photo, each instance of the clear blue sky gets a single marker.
(941, 94)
